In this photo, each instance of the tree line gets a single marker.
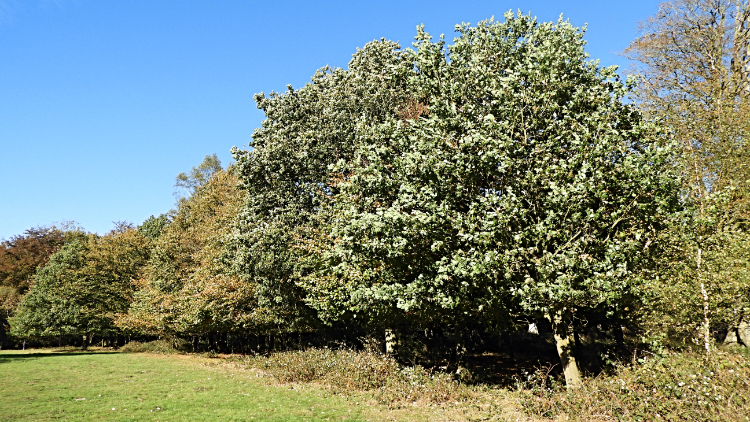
(428, 193)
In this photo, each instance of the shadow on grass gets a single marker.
(17, 355)
(521, 354)
(524, 354)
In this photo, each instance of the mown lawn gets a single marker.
(40, 385)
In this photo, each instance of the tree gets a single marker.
(524, 187)
(286, 174)
(198, 176)
(153, 227)
(185, 288)
(694, 61)
(693, 58)
(20, 256)
(47, 310)
(83, 287)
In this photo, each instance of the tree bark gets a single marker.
(743, 332)
(391, 342)
(563, 332)
(706, 322)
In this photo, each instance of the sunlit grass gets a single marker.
(88, 386)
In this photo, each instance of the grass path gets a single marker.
(45, 385)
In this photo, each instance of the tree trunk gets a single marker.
(223, 342)
(704, 295)
(214, 342)
(731, 337)
(562, 331)
(743, 332)
(706, 322)
(391, 342)
(460, 351)
(508, 342)
(619, 336)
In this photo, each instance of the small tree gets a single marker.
(693, 58)
(197, 177)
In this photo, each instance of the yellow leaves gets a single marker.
(188, 254)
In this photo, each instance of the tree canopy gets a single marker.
(20, 257)
(506, 178)
(83, 287)
(198, 176)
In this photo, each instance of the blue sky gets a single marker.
(103, 103)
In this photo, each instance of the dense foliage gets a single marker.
(287, 173)
(519, 186)
(82, 288)
(183, 288)
(20, 257)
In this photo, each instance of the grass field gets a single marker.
(326, 385)
(41, 385)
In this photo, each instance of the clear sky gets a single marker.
(103, 103)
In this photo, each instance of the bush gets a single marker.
(156, 346)
(356, 371)
(673, 387)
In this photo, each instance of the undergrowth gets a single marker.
(674, 386)
(686, 386)
(357, 371)
(157, 346)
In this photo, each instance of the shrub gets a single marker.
(157, 346)
(356, 371)
(673, 387)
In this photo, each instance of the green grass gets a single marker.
(89, 386)
(343, 385)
